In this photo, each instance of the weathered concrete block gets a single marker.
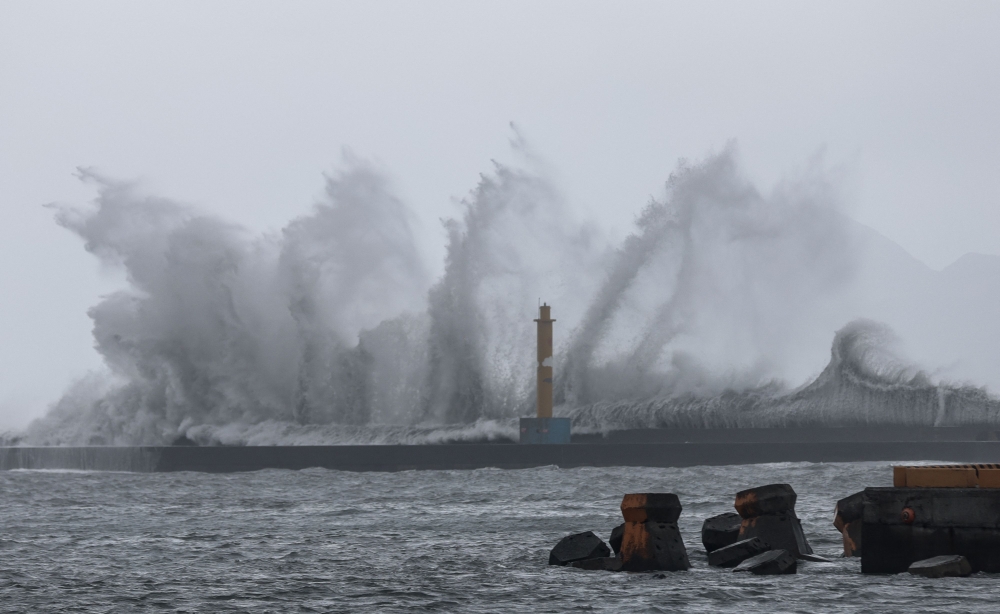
(770, 499)
(604, 563)
(852, 537)
(651, 507)
(653, 546)
(770, 563)
(734, 554)
(943, 507)
(849, 509)
(578, 547)
(782, 531)
(848, 516)
(905, 525)
(616, 538)
(942, 567)
(720, 531)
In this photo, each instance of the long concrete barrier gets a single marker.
(476, 456)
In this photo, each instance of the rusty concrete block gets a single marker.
(769, 499)
(851, 533)
(651, 507)
(848, 518)
(653, 546)
(782, 531)
(849, 509)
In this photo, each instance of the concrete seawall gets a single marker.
(475, 456)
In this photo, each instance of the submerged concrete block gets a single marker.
(769, 499)
(578, 547)
(905, 525)
(615, 541)
(651, 507)
(604, 563)
(770, 563)
(653, 546)
(734, 554)
(782, 531)
(720, 531)
(954, 565)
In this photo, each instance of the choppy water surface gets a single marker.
(322, 540)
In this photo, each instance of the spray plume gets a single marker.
(331, 332)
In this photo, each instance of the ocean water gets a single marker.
(449, 541)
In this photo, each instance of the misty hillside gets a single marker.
(948, 321)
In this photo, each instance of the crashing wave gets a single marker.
(332, 332)
(863, 384)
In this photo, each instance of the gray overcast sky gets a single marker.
(238, 107)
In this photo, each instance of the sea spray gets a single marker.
(863, 384)
(711, 291)
(515, 243)
(331, 332)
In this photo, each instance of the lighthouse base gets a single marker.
(545, 430)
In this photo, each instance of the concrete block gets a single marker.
(941, 507)
(893, 548)
(604, 563)
(616, 538)
(848, 517)
(770, 499)
(952, 566)
(720, 531)
(849, 509)
(653, 546)
(578, 547)
(734, 554)
(651, 507)
(905, 525)
(545, 430)
(851, 533)
(782, 531)
(770, 563)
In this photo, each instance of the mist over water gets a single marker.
(718, 310)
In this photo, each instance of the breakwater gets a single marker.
(612, 451)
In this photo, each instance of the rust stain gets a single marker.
(746, 504)
(634, 508)
(636, 543)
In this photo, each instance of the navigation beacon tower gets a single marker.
(544, 428)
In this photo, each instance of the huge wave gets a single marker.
(331, 331)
